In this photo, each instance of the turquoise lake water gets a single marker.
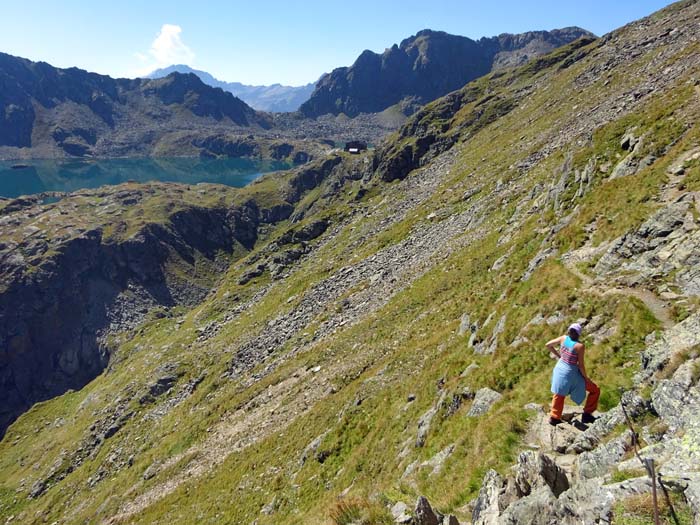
(37, 176)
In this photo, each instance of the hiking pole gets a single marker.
(648, 464)
(668, 499)
(650, 468)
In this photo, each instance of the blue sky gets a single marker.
(263, 42)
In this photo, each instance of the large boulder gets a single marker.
(538, 508)
(536, 470)
(484, 399)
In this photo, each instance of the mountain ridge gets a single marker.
(273, 98)
(74, 112)
(424, 67)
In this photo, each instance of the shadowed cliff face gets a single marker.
(425, 67)
(55, 320)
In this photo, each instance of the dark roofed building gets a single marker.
(355, 146)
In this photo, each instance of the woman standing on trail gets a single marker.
(569, 377)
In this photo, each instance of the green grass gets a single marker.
(639, 510)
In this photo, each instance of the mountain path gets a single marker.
(656, 305)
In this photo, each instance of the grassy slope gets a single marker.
(405, 347)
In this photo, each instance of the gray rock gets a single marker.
(438, 460)
(535, 470)
(667, 244)
(586, 503)
(270, 507)
(599, 461)
(628, 141)
(469, 370)
(424, 513)
(252, 274)
(692, 494)
(425, 420)
(538, 508)
(487, 507)
(484, 399)
(400, 513)
(677, 400)
(489, 346)
(630, 487)
(678, 338)
(606, 423)
(450, 519)
(541, 256)
(152, 470)
(464, 324)
(312, 448)
(631, 163)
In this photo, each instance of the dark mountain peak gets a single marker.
(424, 67)
(431, 33)
(70, 110)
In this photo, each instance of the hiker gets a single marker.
(569, 377)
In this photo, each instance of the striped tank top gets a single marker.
(568, 354)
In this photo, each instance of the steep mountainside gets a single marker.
(47, 111)
(379, 337)
(425, 67)
(274, 98)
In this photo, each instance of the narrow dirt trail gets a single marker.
(656, 305)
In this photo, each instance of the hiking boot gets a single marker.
(588, 418)
(554, 421)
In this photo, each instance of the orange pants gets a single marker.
(591, 400)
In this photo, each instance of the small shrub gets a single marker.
(639, 510)
(359, 511)
(622, 475)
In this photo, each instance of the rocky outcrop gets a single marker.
(424, 513)
(667, 243)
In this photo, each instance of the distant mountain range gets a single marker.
(48, 112)
(70, 111)
(275, 98)
(425, 67)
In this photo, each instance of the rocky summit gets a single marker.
(424, 67)
(360, 340)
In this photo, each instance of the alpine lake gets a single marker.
(21, 177)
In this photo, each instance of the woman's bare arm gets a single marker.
(553, 346)
(581, 351)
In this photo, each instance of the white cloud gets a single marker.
(167, 49)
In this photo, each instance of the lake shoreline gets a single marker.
(37, 176)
